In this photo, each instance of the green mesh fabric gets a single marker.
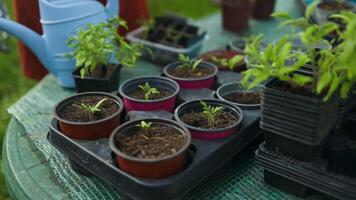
(241, 180)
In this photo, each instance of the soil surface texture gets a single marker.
(156, 142)
(247, 98)
(140, 94)
(186, 72)
(198, 119)
(75, 113)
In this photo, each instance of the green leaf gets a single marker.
(310, 9)
(345, 89)
(283, 15)
(323, 82)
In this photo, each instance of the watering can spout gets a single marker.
(31, 39)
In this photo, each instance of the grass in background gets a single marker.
(189, 8)
(13, 84)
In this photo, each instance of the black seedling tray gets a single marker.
(314, 175)
(292, 147)
(204, 157)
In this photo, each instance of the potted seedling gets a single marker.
(100, 52)
(297, 106)
(191, 73)
(150, 148)
(225, 60)
(149, 93)
(263, 9)
(236, 14)
(209, 118)
(236, 94)
(89, 115)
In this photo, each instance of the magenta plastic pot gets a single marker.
(209, 134)
(166, 103)
(193, 83)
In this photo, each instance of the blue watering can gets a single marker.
(60, 19)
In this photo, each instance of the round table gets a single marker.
(27, 173)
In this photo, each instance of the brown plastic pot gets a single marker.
(149, 168)
(227, 54)
(236, 14)
(88, 130)
(263, 9)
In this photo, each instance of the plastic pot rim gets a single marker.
(177, 63)
(118, 101)
(175, 93)
(233, 108)
(162, 121)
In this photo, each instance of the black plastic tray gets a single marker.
(313, 175)
(204, 158)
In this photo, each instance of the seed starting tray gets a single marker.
(310, 174)
(203, 158)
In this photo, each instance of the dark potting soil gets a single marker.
(185, 72)
(140, 94)
(72, 111)
(157, 142)
(197, 119)
(244, 98)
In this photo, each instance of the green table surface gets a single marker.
(27, 173)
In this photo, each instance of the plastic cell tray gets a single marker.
(203, 158)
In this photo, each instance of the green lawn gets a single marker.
(13, 85)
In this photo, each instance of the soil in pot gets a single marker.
(140, 94)
(187, 72)
(244, 98)
(198, 119)
(74, 113)
(156, 142)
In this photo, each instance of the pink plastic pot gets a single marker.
(166, 103)
(209, 134)
(193, 83)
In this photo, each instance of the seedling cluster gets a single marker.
(91, 109)
(229, 63)
(99, 45)
(148, 90)
(332, 67)
(189, 63)
(211, 112)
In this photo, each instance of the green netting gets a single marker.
(241, 180)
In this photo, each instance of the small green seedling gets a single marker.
(145, 127)
(148, 90)
(91, 109)
(188, 63)
(211, 112)
(230, 63)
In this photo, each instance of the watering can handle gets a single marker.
(112, 8)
